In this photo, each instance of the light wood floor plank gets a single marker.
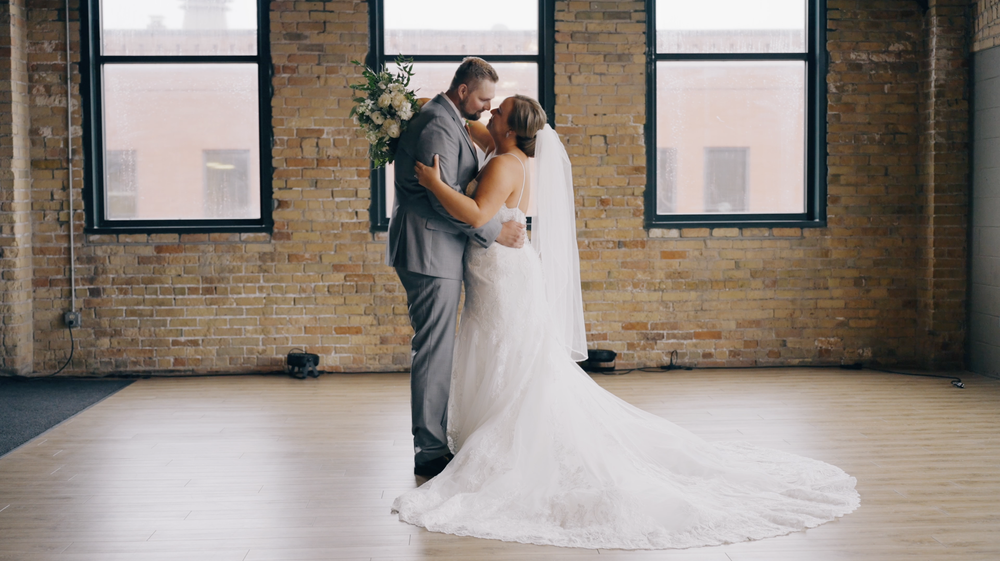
(258, 468)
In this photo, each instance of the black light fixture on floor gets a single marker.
(302, 365)
(600, 360)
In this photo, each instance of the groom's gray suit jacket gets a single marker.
(423, 237)
(426, 246)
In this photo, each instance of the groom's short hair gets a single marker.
(471, 72)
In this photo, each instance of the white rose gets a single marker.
(384, 100)
(398, 100)
(377, 118)
(393, 129)
(406, 112)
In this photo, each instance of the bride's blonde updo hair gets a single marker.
(526, 118)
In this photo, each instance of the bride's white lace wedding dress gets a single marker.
(544, 455)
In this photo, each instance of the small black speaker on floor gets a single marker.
(600, 360)
(302, 365)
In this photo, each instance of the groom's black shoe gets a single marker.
(433, 467)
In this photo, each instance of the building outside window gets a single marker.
(516, 41)
(120, 183)
(226, 183)
(666, 178)
(728, 80)
(179, 87)
(726, 179)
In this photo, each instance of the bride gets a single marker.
(543, 454)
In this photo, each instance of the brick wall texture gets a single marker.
(986, 24)
(16, 330)
(944, 176)
(883, 282)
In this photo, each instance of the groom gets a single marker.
(426, 246)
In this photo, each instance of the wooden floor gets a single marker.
(256, 468)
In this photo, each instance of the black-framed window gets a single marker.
(736, 113)
(517, 41)
(177, 102)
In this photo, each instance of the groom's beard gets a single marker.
(466, 114)
(470, 116)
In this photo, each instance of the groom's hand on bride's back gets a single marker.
(512, 234)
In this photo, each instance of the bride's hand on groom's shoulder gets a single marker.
(428, 176)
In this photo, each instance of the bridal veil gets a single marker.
(553, 235)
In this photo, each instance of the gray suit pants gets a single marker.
(433, 306)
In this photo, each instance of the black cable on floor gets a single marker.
(72, 349)
(674, 365)
(955, 380)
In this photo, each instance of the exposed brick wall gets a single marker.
(357, 314)
(865, 287)
(227, 301)
(49, 183)
(16, 331)
(756, 296)
(944, 178)
(874, 210)
(986, 24)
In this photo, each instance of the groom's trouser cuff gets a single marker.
(432, 303)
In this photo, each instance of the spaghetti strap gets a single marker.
(524, 177)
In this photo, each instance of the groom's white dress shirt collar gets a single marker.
(454, 107)
(480, 155)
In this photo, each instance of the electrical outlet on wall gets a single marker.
(72, 319)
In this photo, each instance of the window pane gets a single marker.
(227, 173)
(726, 179)
(430, 79)
(119, 184)
(168, 115)
(731, 26)
(458, 26)
(179, 27)
(666, 180)
(710, 111)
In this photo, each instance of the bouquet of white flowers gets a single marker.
(384, 110)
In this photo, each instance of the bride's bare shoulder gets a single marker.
(501, 171)
(501, 162)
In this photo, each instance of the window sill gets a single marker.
(728, 232)
(181, 228)
(118, 238)
(731, 223)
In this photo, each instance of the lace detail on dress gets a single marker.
(546, 456)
